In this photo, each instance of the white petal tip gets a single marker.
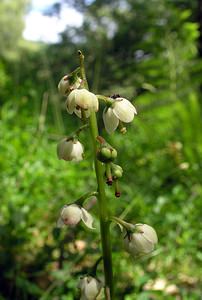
(87, 218)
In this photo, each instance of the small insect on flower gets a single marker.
(80, 99)
(68, 83)
(72, 214)
(120, 110)
(90, 288)
(70, 150)
(141, 241)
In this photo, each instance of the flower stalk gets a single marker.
(103, 208)
(128, 227)
(83, 198)
(138, 239)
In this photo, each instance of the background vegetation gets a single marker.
(149, 52)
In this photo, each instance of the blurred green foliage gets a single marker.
(147, 52)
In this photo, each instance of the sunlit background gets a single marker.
(39, 26)
(149, 52)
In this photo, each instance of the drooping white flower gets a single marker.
(70, 149)
(142, 241)
(81, 99)
(90, 288)
(120, 110)
(72, 214)
(66, 84)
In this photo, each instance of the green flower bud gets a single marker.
(117, 171)
(113, 153)
(105, 152)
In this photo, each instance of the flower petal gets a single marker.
(149, 233)
(82, 282)
(71, 102)
(63, 85)
(111, 122)
(71, 214)
(83, 98)
(124, 110)
(141, 243)
(87, 218)
(132, 107)
(77, 151)
(60, 223)
(94, 103)
(69, 110)
(78, 113)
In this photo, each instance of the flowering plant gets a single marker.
(138, 239)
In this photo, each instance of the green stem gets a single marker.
(107, 100)
(126, 225)
(78, 131)
(103, 207)
(82, 69)
(94, 268)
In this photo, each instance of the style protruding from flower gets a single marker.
(70, 149)
(82, 99)
(113, 173)
(72, 214)
(141, 241)
(120, 110)
(90, 288)
(117, 173)
(68, 83)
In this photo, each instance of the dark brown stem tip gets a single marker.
(109, 181)
(118, 194)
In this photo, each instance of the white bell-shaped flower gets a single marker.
(90, 288)
(81, 99)
(142, 241)
(120, 110)
(70, 149)
(65, 85)
(72, 214)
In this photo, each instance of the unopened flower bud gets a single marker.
(68, 83)
(72, 214)
(106, 153)
(113, 153)
(117, 171)
(90, 288)
(141, 241)
(70, 150)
